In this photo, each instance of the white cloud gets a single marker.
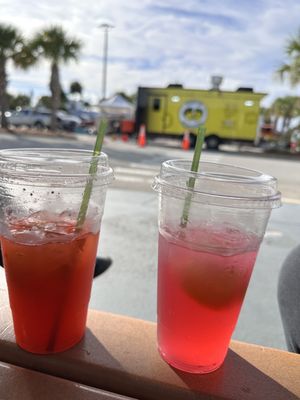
(154, 44)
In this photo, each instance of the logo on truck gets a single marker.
(192, 114)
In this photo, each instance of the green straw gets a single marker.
(80, 221)
(192, 180)
(92, 171)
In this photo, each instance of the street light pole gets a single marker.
(105, 27)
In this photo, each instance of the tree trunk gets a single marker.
(275, 123)
(289, 116)
(55, 95)
(284, 125)
(287, 124)
(3, 99)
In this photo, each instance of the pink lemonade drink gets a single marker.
(200, 294)
(209, 236)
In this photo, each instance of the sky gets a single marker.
(155, 43)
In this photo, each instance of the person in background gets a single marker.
(289, 299)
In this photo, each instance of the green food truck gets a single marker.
(228, 116)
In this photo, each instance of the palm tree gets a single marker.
(287, 108)
(291, 69)
(12, 47)
(54, 45)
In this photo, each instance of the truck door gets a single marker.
(230, 121)
(156, 113)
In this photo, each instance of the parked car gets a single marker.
(88, 118)
(29, 117)
(67, 121)
(42, 119)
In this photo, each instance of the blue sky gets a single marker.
(155, 43)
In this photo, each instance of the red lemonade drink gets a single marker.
(51, 207)
(200, 293)
(211, 224)
(49, 280)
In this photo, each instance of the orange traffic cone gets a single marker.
(141, 140)
(186, 144)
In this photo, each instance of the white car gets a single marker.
(29, 118)
(42, 119)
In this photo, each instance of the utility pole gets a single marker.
(105, 27)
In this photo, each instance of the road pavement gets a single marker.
(129, 232)
(135, 166)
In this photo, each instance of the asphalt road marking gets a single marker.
(141, 174)
(133, 179)
(273, 234)
(124, 170)
(143, 167)
(135, 175)
(289, 200)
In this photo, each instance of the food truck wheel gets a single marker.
(212, 142)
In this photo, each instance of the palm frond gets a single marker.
(11, 41)
(71, 50)
(282, 71)
(293, 46)
(291, 70)
(294, 74)
(54, 44)
(25, 58)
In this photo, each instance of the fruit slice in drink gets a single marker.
(200, 293)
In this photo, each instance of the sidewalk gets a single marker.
(129, 237)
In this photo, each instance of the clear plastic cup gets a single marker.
(209, 237)
(49, 259)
